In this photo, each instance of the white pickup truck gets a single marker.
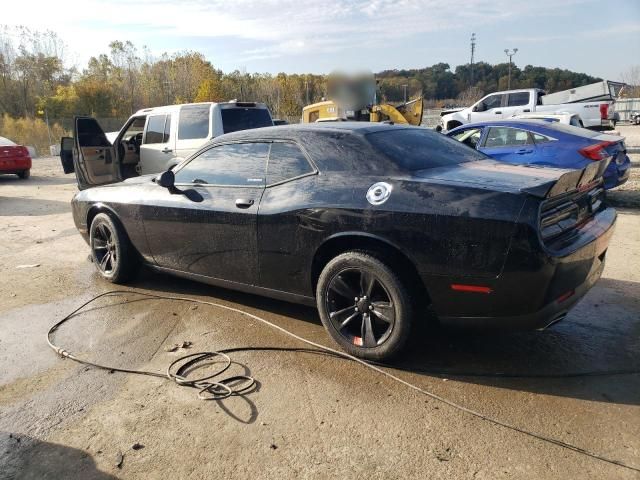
(592, 113)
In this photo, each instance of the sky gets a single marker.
(598, 37)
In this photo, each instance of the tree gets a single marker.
(632, 78)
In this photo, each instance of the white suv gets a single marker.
(153, 139)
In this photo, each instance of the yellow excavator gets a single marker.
(355, 99)
(330, 111)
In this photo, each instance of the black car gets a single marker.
(372, 223)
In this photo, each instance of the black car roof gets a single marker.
(295, 130)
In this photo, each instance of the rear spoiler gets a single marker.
(580, 180)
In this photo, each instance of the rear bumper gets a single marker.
(534, 300)
(546, 316)
(14, 164)
(617, 173)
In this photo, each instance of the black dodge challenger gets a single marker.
(372, 223)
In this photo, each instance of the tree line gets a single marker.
(35, 80)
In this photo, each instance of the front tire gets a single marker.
(111, 251)
(364, 306)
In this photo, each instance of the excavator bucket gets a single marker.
(412, 111)
(407, 113)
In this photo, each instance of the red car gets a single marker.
(14, 159)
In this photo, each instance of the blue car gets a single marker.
(553, 144)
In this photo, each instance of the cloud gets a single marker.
(619, 29)
(267, 28)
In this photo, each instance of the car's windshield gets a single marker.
(234, 119)
(417, 148)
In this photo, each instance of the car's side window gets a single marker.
(155, 129)
(506, 137)
(518, 99)
(539, 138)
(193, 122)
(492, 101)
(286, 161)
(241, 164)
(469, 137)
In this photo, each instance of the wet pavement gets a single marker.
(312, 415)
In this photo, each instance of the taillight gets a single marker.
(604, 111)
(24, 151)
(596, 151)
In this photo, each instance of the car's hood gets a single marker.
(538, 181)
(138, 180)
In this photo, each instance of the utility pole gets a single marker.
(405, 92)
(306, 86)
(46, 119)
(167, 85)
(510, 54)
(473, 51)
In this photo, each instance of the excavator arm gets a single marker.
(407, 113)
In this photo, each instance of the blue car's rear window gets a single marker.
(571, 130)
(416, 148)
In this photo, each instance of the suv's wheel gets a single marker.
(364, 306)
(111, 251)
(24, 174)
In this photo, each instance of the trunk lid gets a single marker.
(13, 151)
(541, 182)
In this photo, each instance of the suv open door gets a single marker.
(94, 157)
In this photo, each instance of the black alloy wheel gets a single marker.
(111, 251)
(104, 249)
(369, 315)
(364, 306)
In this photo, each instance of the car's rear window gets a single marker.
(6, 141)
(234, 119)
(571, 130)
(416, 148)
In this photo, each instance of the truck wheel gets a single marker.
(111, 250)
(25, 174)
(364, 306)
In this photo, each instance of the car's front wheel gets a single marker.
(364, 306)
(111, 250)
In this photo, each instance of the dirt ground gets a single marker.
(313, 416)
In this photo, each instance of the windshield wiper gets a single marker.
(198, 180)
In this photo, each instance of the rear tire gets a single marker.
(111, 251)
(25, 174)
(364, 306)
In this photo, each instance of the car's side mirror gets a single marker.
(167, 179)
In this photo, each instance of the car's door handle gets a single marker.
(526, 110)
(166, 150)
(497, 112)
(523, 151)
(243, 203)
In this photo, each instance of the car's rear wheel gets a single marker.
(24, 174)
(111, 250)
(364, 306)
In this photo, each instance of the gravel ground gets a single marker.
(628, 195)
(312, 416)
